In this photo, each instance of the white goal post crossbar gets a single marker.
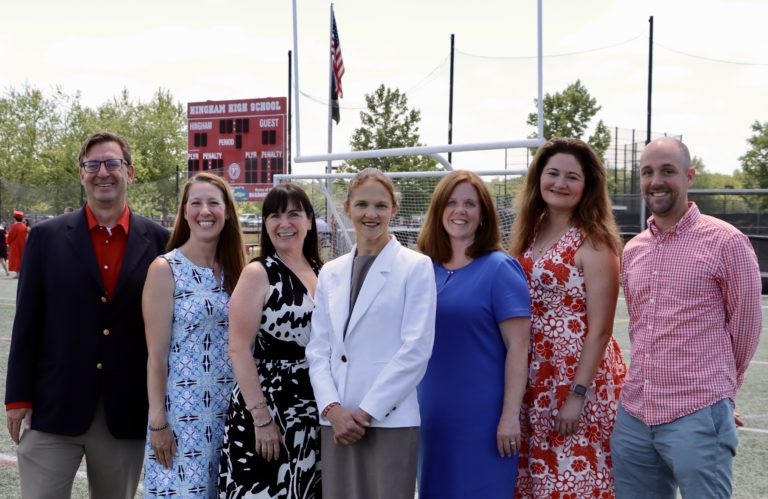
(279, 178)
(415, 194)
(433, 151)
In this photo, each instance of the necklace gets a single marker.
(548, 243)
(295, 267)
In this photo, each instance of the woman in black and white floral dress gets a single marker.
(271, 443)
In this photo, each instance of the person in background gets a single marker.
(189, 377)
(567, 241)
(76, 379)
(371, 338)
(471, 394)
(3, 249)
(272, 435)
(692, 286)
(17, 241)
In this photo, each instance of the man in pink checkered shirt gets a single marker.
(692, 286)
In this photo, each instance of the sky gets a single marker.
(710, 72)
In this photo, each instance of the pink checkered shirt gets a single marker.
(693, 295)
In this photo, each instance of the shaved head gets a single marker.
(663, 142)
(665, 176)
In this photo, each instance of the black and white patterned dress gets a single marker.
(284, 377)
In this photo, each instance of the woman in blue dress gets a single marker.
(471, 394)
(189, 375)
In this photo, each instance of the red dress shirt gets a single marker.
(693, 296)
(109, 246)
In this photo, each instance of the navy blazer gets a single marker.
(70, 346)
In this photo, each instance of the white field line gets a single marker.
(754, 416)
(754, 430)
(760, 362)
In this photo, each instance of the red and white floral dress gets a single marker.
(552, 465)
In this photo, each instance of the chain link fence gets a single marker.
(746, 209)
(157, 200)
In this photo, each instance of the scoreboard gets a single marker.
(243, 141)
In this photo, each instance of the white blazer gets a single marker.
(389, 336)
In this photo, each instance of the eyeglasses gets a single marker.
(110, 164)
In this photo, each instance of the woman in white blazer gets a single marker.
(371, 339)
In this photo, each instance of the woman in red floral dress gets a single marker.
(567, 241)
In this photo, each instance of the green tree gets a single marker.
(388, 123)
(569, 113)
(31, 136)
(714, 204)
(41, 134)
(710, 180)
(754, 162)
(160, 142)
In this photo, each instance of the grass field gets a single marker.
(750, 473)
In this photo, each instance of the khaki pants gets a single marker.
(381, 465)
(48, 463)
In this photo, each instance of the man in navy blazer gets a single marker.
(76, 382)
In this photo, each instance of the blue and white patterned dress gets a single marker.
(200, 380)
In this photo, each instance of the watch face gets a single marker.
(579, 390)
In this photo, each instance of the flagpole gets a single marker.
(329, 218)
(290, 128)
(296, 80)
(329, 167)
(450, 100)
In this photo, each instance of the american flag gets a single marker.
(338, 69)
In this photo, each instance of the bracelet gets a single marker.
(262, 425)
(328, 408)
(258, 405)
(159, 428)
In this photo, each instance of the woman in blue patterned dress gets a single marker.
(272, 439)
(189, 376)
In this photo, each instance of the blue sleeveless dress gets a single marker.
(200, 381)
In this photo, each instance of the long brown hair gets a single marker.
(277, 201)
(592, 215)
(433, 239)
(229, 249)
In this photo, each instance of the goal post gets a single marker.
(436, 150)
(328, 192)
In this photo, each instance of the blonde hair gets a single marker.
(373, 174)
